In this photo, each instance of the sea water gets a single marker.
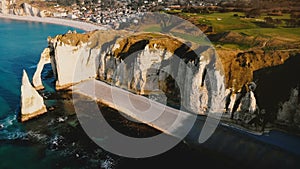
(21, 44)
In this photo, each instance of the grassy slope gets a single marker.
(289, 34)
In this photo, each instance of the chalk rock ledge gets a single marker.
(45, 59)
(32, 104)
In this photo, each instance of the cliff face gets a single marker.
(143, 63)
(24, 9)
(148, 63)
(32, 104)
(187, 75)
(30, 10)
(240, 65)
(277, 92)
(5, 6)
(273, 71)
(75, 57)
(289, 111)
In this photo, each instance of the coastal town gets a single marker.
(111, 13)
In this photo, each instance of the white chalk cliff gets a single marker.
(4, 6)
(32, 104)
(290, 110)
(141, 63)
(25, 9)
(73, 60)
(30, 10)
(248, 103)
(44, 59)
(242, 105)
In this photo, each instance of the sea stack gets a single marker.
(36, 80)
(32, 104)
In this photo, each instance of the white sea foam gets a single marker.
(32, 67)
(8, 121)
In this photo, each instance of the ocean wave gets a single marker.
(12, 135)
(32, 67)
(37, 137)
(56, 142)
(8, 121)
(108, 163)
(17, 134)
(9, 130)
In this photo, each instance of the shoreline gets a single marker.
(57, 21)
(230, 131)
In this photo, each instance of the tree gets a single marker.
(295, 19)
(66, 2)
(269, 20)
(295, 15)
(253, 13)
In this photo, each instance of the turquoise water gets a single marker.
(21, 43)
(20, 46)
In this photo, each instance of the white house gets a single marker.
(72, 16)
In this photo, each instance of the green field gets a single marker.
(253, 27)
(153, 28)
(222, 22)
(287, 34)
(236, 22)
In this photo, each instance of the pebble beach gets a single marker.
(58, 21)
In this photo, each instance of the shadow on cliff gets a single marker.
(274, 85)
(130, 50)
(133, 49)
